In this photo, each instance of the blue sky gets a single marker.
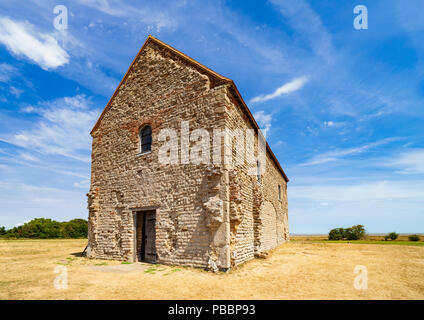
(343, 108)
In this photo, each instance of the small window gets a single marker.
(279, 192)
(258, 172)
(145, 139)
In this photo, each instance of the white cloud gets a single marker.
(335, 155)
(84, 184)
(381, 206)
(154, 18)
(63, 129)
(24, 202)
(103, 6)
(409, 162)
(28, 157)
(308, 25)
(21, 39)
(15, 91)
(333, 124)
(28, 109)
(367, 191)
(285, 89)
(264, 120)
(7, 72)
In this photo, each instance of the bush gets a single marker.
(353, 233)
(414, 237)
(336, 234)
(392, 236)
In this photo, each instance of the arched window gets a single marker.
(145, 139)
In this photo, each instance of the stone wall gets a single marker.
(161, 92)
(262, 219)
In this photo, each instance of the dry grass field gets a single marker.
(296, 270)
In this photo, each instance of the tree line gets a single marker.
(41, 228)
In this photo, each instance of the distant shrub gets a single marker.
(336, 234)
(392, 236)
(353, 233)
(414, 237)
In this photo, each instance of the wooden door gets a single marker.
(150, 236)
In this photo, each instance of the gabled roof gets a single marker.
(202, 69)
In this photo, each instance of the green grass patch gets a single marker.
(151, 270)
(404, 243)
(126, 262)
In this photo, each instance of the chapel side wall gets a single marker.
(241, 192)
(273, 212)
(161, 91)
(250, 221)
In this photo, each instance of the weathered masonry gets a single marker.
(198, 214)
